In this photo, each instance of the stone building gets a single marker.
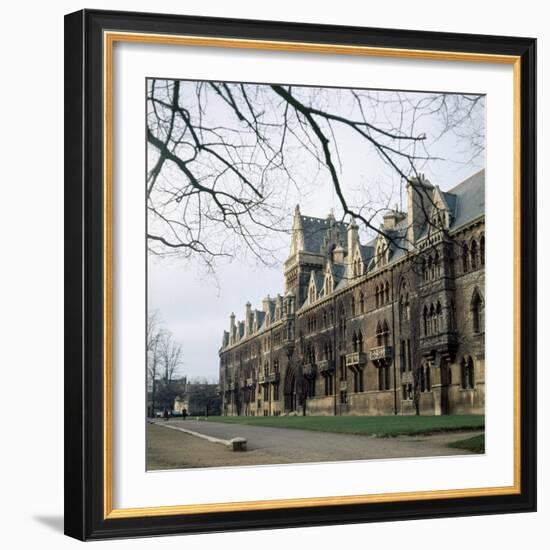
(393, 326)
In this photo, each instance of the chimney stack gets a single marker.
(419, 205)
(247, 318)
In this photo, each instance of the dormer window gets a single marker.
(328, 284)
(379, 255)
(357, 266)
(438, 219)
(382, 252)
(440, 216)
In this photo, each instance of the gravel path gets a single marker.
(266, 445)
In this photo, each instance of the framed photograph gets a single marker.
(300, 274)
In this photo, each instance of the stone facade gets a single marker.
(394, 326)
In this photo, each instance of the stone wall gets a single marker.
(360, 309)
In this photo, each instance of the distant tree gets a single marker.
(171, 357)
(154, 357)
(164, 357)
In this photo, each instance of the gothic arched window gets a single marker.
(425, 316)
(465, 258)
(380, 254)
(359, 341)
(467, 373)
(357, 267)
(328, 284)
(385, 334)
(439, 317)
(342, 322)
(379, 335)
(452, 316)
(478, 312)
(473, 255)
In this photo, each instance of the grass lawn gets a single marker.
(474, 444)
(381, 426)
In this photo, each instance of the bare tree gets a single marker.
(153, 330)
(171, 356)
(154, 357)
(164, 357)
(222, 156)
(171, 359)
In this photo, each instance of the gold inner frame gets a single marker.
(109, 39)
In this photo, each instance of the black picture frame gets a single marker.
(85, 517)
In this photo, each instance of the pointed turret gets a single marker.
(355, 258)
(419, 205)
(247, 319)
(297, 243)
(353, 238)
(232, 328)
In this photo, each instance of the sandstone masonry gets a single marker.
(394, 326)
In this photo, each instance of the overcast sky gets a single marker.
(195, 306)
